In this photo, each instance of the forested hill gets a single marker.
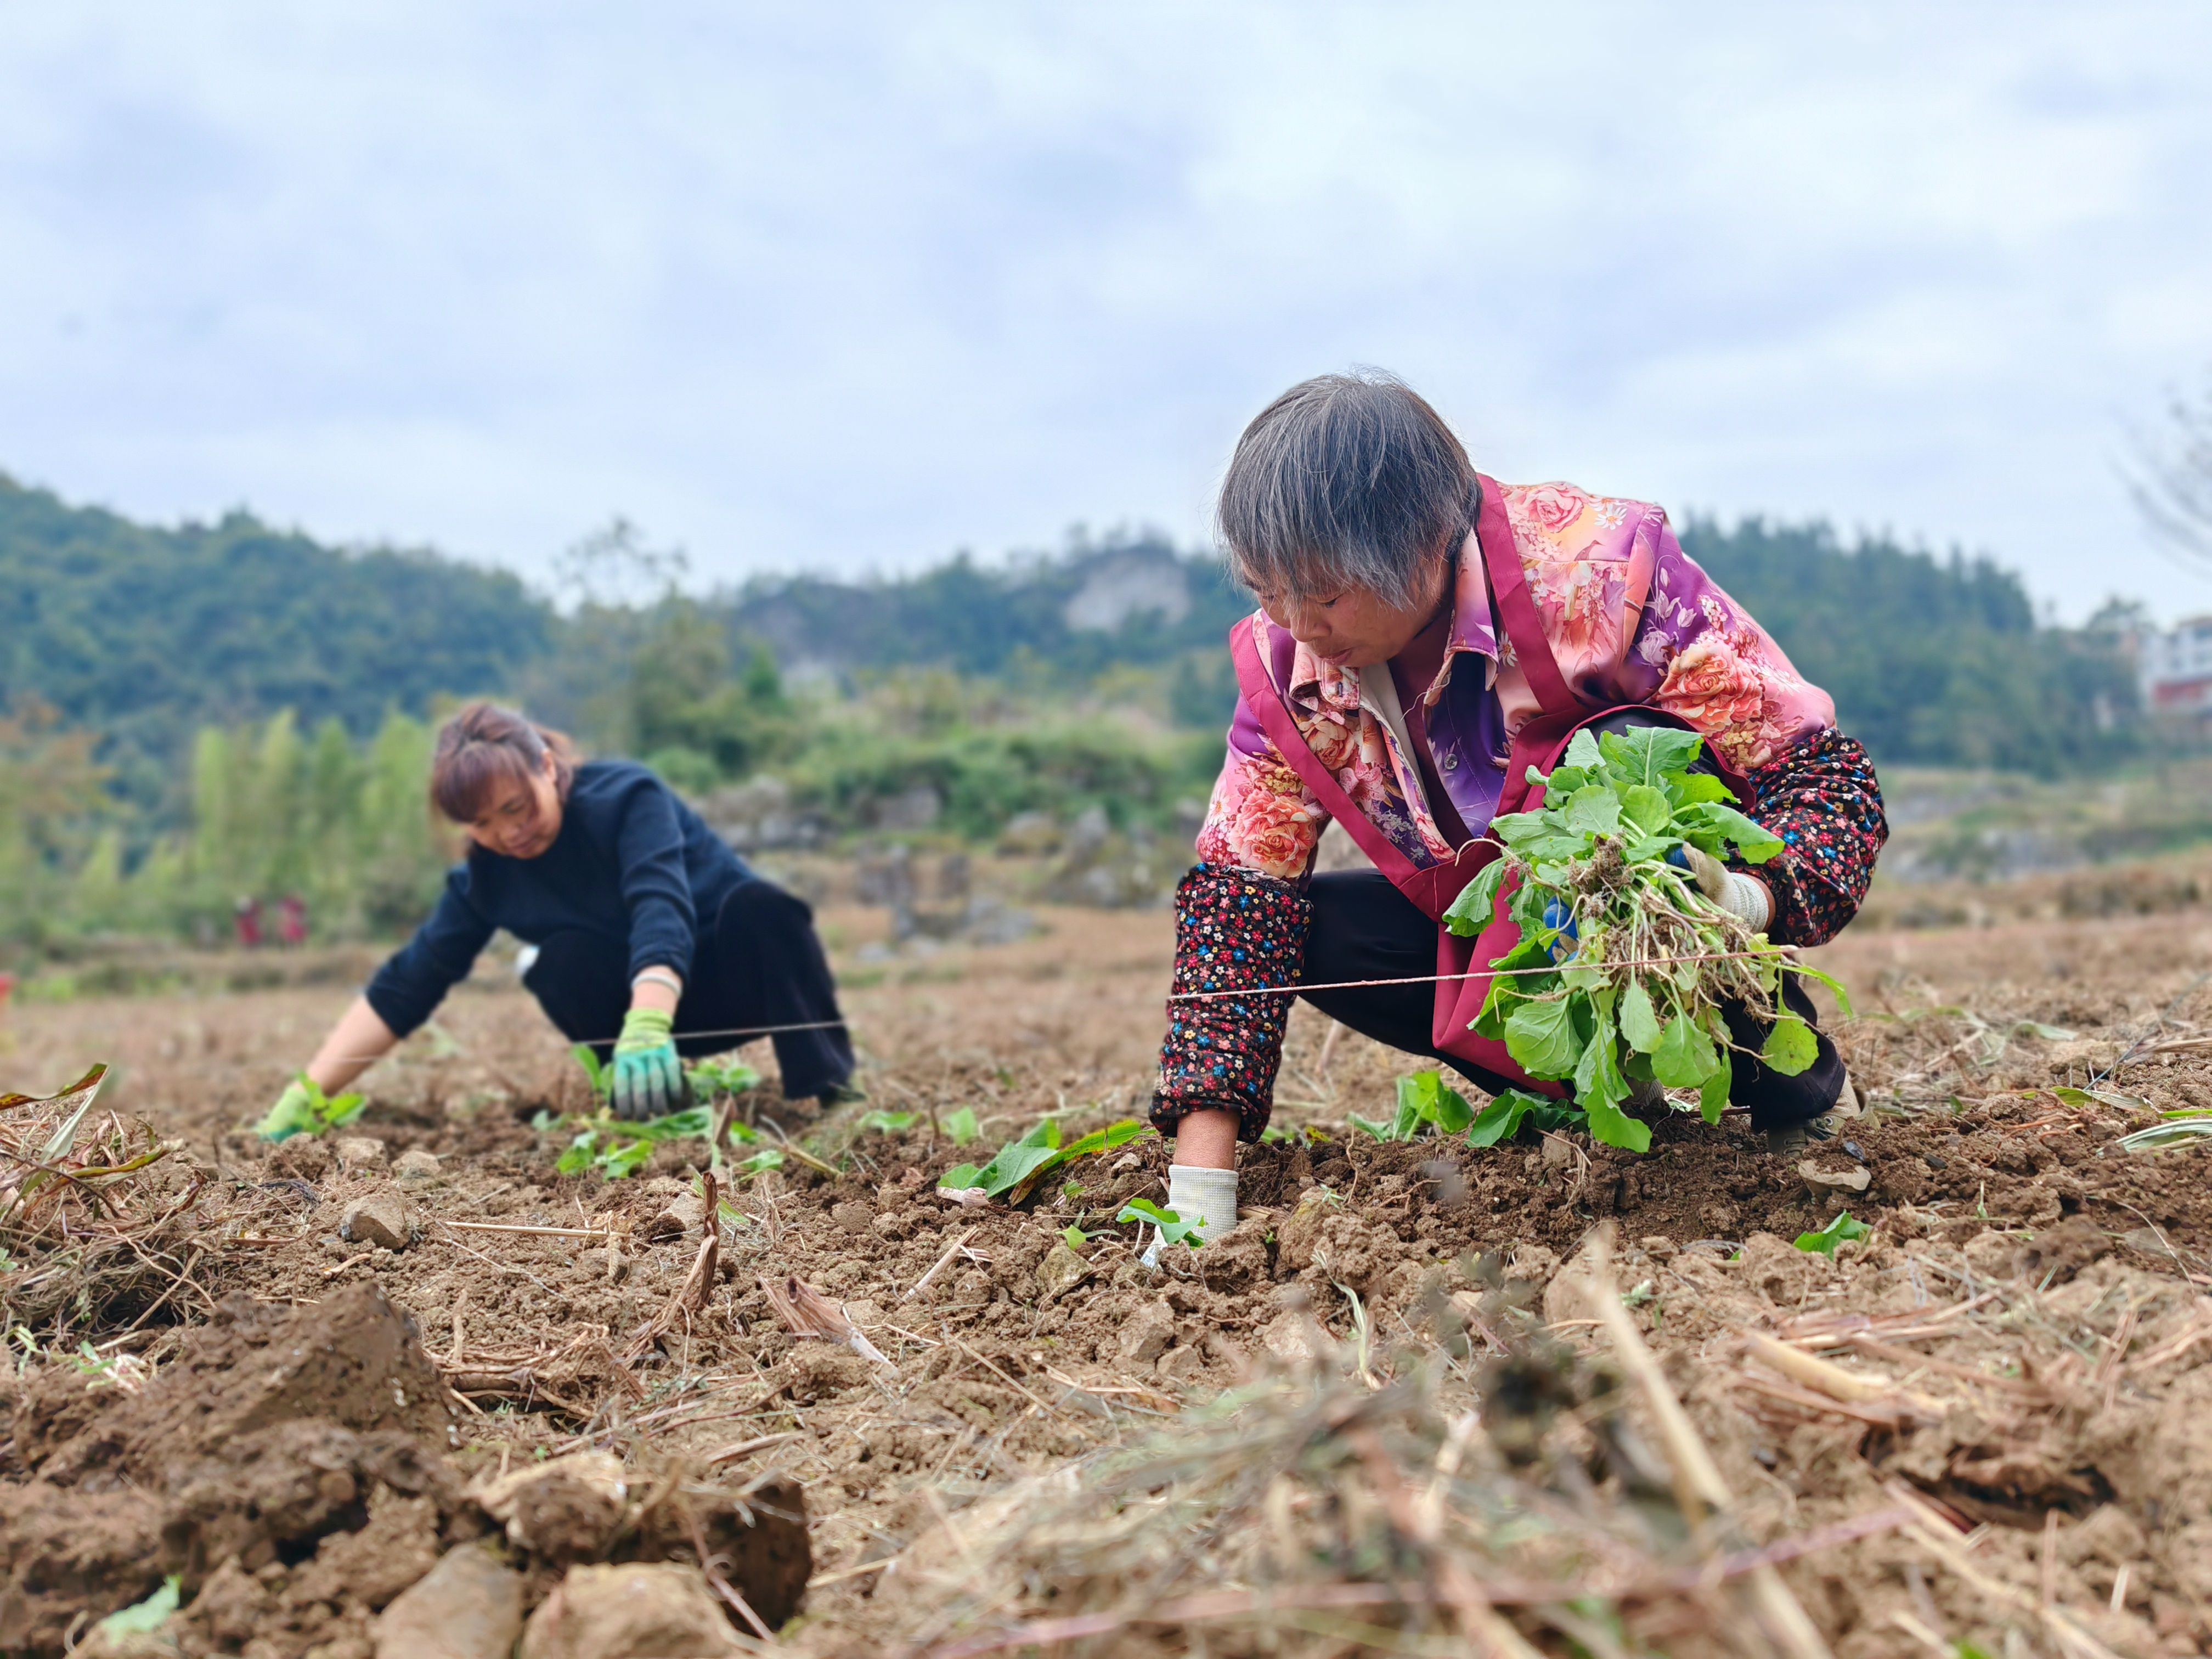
(146, 634)
(1934, 661)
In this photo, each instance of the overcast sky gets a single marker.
(849, 287)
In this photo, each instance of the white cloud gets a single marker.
(849, 287)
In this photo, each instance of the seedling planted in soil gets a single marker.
(317, 1114)
(1173, 1229)
(1841, 1231)
(1013, 1174)
(1427, 1105)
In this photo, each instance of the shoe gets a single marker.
(839, 1094)
(1795, 1138)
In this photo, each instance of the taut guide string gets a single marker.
(1298, 989)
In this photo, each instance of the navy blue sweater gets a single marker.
(632, 863)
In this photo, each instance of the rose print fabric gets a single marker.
(1631, 618)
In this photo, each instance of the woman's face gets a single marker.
(523, 815)
(1355, 628)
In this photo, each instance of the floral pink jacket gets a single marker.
(1631, 618)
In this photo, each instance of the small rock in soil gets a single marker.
(1820, 1180)
(642, 1611)
(468, 1606)
(416, 1164)
(566, 1509)
(683, 1215)
(854, 1217)
(1148, 1333)
(1293, 1338)
(1060, 1271)
(380, 1219)
(1180, 1365)
(357, 1153)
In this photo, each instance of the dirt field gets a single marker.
(1978, 1430)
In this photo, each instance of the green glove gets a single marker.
(648, 1077)
(290, 1115)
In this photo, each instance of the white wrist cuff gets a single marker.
(1205, 1196)
(1748, 900)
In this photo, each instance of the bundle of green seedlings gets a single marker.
(1623, 967)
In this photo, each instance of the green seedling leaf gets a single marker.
(622, 1161)
(1599, 1089)
(711, 1080)
(1836, 1233)
(543, 1122)
(1173, 1229)
(889, 1123)
(1541, 1036)
(309, 1112)
(1754, 843)
(1424, 1100)
(1713, 1093)
(1502, 1119)
(768, 1157)
(2069, 1096)
(1686, 1056)
(147, 1616)
(692, 1123)
(1583, 753)
(1075, 1236)
(601, 1080)
(960, 1127)
(578, 1157)
(1639, 1022)
(1646, 754)
(1697, 789)
(1477, 903)
(1020, 1159)
(1368, 1126)
(1790, 1047)
(1647, 808)
(1843, 997)
(1119, 1133)
(1594, 809)
(960, 1177)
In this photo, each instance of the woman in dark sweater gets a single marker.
(654, 938)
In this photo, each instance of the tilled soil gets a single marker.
(2033, 1290)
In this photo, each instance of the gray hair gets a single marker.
(1345, 481)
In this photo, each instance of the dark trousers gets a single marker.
(1364, 928)
(758, 964)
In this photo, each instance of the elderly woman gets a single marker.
(1424, 633)
(653, 939)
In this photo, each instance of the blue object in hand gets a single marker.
(1560, 919)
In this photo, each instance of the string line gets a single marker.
(1300, 988)
(1297, 989)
